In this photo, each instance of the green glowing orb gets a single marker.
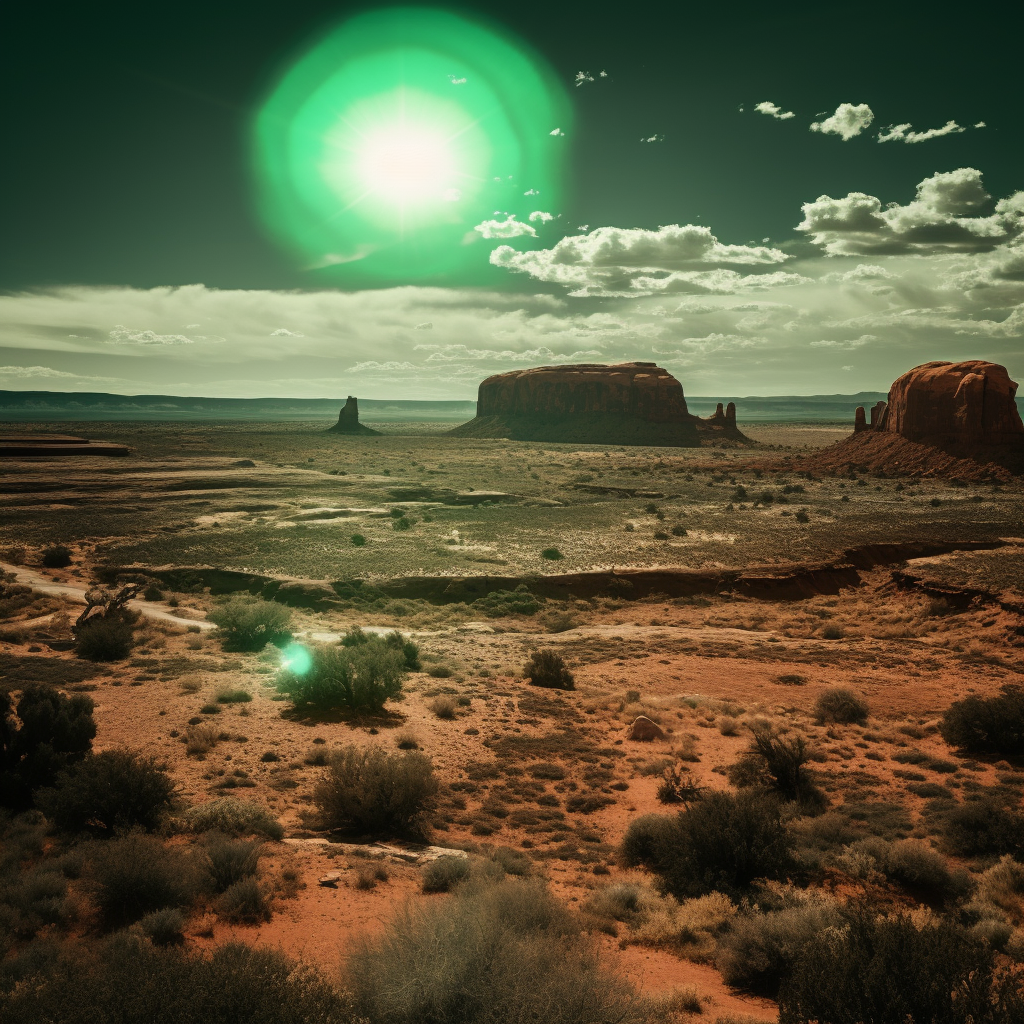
(383, 146)
(296, 659)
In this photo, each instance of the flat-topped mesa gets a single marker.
(624, 403)
(964, 405)
(348, 420)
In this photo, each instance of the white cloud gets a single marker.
(428, 326)
(864, 339)
(373, 365)
(902, 133)
(582, 77)
(637, 261)
(654, 138)
(456, 81)
(507, 228)
(557, 131)
(943, 218)
(121, 335)
(848, 120)
(532, 192)
(461, 353)
(542, 216)
(283, 332)
(769, 108)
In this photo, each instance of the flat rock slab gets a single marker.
(379, 851)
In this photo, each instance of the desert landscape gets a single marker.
(699, 704)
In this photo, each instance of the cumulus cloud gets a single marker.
(375, 366)
(943, 218)
(428, 326)
(582, 77)
(456, 81)
(542, 216)
(637, 261)
(507, 228)
(864, 339)
(902, 132)
(283, 332)
(848, 120)
(532, 192)
(556, 131)
(769, 108)
(462, 353)
(654, 138)
(122, 335)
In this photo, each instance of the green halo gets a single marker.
(382, 147)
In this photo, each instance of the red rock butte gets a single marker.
(623, 403)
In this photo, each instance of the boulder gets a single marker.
(966, 404)
(623, 403)
(645, 730)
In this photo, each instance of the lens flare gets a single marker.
(296, 659)
(379, 149)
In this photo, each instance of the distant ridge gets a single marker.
(53, 406)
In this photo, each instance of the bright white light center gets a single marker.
(407, 164)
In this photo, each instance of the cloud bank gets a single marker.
(848, 120)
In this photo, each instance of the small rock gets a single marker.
(644, 729)
(331, 879)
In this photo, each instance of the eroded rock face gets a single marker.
(624, 403)
(348, 420)
(968, 403)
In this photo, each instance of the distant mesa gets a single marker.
(941, 419)
(19, 446)
(348, 420)
(593, 403)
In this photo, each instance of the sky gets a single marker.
(798, 199)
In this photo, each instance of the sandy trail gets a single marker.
(151, 609)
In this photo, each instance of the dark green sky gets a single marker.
(134, 261)
(126, 124)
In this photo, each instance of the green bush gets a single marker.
(233, 817)
(114, 789)
(358, 540)
(645, 837)
(233, 696)
(889, 969)
(410, 650)
(840, 705)
(987, 725)
(723, 843)
(372, 791)
(360, 678)
(500, 603)
(41, 734)
(443, 874)
(127, 980)
(229, 861)
(32, 898)
(247, 623)
(552, 554)
(136, 874)
(983, 827)
(163, 927)
(759, 950)
(505, 952)
(56, 556)
(244, 902)
(547, 668)
(780, 764)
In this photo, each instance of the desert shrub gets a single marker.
(31, 899)
(153, 593)
(679, 786)
(509, 602)
(234, 695)
(233, 817)
(230, 861)
(355, 636)
(114, 789)
(548, 668)
(358, 540)
(373, 791)
(107, 638)
(56, 556)
(553, 554)
(443, 707)
(511, 862)
(410, 650)
(777, 763)
(999, 888)
(247, 623)
(127, 980)
(760, 950)
(507, 951)
(244, 902)
(890, 969)
(439, 672)
(200, 739)
(987, 725)
(136, 874)
(723, 843)
(443, 874)
(163, 927)
(41, 734)
(645, 836)
(358, 677)
(840, 705)
(981, 827)
(924, 872)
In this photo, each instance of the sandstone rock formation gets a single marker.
(625, 403)
(348, 420)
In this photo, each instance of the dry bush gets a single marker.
(505, 951)
(200, 739)
(728, 726)
(841, 706)
(373, 791)
(230, 861)
(443, 707)
(244, 902)
(443, 874)
(987, 725)
(233, 817)
(548, 668)
(107, 638)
